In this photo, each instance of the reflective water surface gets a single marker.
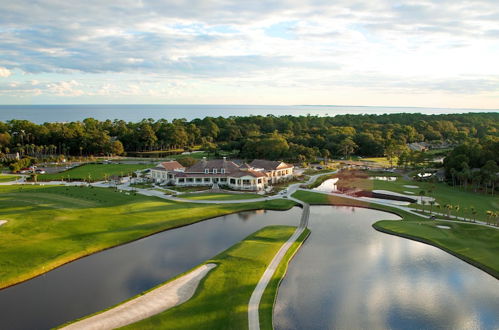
(349, 276)
(106, 278)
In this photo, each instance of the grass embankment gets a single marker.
(221, 300)
(219, 196)
(8, 178)
(52, 225)
(270, 295)
(94, 172)
(475, 244)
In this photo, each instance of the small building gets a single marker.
(165, 171)
(254, 176)
(418, 146)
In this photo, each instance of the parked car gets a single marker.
(40, 171)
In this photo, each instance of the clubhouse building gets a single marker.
(253, 176)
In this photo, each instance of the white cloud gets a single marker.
(4, 72)
(381, 46)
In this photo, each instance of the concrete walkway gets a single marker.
(156, 301)
(256, 296)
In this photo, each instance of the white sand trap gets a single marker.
(443, 227)
(386, 201)
(156, 301)
(3, 222)
(410, 186)
(409, 192)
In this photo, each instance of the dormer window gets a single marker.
(214, 171)
(206, 170)
(222, 171)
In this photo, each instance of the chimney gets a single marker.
(225, 158)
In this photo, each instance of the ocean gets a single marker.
(136, 112)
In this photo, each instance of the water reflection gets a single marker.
(104, 279)
(365, 279)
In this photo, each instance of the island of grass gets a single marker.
(475, 244)
(52, 225)
(219, 196)
(8, 177)
(94, 172)
(221, 300)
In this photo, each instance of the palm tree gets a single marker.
(473, 212)
(457, 208)
(489, 216)
(423, 203)
(448, 207)
(432, 202)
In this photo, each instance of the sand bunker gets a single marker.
(409, 192)
(410, 186)
(417, 198)
(2, 222)
(443, 227)
(156, 301)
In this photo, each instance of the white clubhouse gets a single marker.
(253, 176)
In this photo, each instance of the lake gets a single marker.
(345, 276)
(104, 279)
(136, 112)
(349, 276)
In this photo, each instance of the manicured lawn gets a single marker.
(8, 177)
(51, 225)
(221, 301)
(220, 197)
(477, 245)
(97, 172)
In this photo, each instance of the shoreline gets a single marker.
(157, 300)
(46, 270)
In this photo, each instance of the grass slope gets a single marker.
(97, 172)
(221, 301)
(8, 178)
(477, 245)
(52, 225)
(219, 196)
(270, 295)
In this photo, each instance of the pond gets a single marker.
(104, 279)
(349, 276)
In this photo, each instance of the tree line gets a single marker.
(300, 138)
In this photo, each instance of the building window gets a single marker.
(181, 180)
(232, 181)
(190, 180)
(215, 171)
(206, 179)
(223, 179)
(199, 180)
(222, 171)
(206, 170)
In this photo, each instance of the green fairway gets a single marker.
(221, 301)
(51, 225)
(219, 196)
(96, 172)
(478, 245)
(8, 177)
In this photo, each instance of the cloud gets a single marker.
(277, 43)
(4, 72)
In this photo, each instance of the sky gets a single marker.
(440, 53)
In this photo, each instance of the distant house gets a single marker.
(418, 146)
(165, 171)
(254, 176)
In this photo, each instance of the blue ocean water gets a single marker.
(136, 112)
